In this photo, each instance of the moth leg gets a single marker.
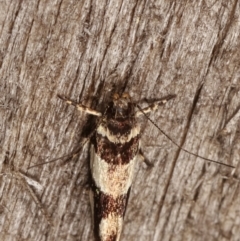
(68, 157)
(154, 106)
(80, 107)
(26, 182)
(144, 158)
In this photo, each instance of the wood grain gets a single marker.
(85, 49)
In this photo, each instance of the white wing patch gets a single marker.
(104, 131)
(112, 182)
(111, 225)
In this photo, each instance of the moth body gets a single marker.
(114, 150)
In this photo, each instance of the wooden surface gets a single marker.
(84, 49)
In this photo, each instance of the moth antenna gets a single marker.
(175, 143)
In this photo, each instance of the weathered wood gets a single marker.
(82, 49)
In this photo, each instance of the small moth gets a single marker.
(115, 149)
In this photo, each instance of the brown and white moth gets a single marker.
(114, 151)
(115, 148)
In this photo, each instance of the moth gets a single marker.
(115, 149)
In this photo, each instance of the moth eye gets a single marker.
(125, 95)
(115, 96)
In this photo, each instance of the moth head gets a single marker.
(121, 104)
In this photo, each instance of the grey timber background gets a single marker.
(82, 49)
